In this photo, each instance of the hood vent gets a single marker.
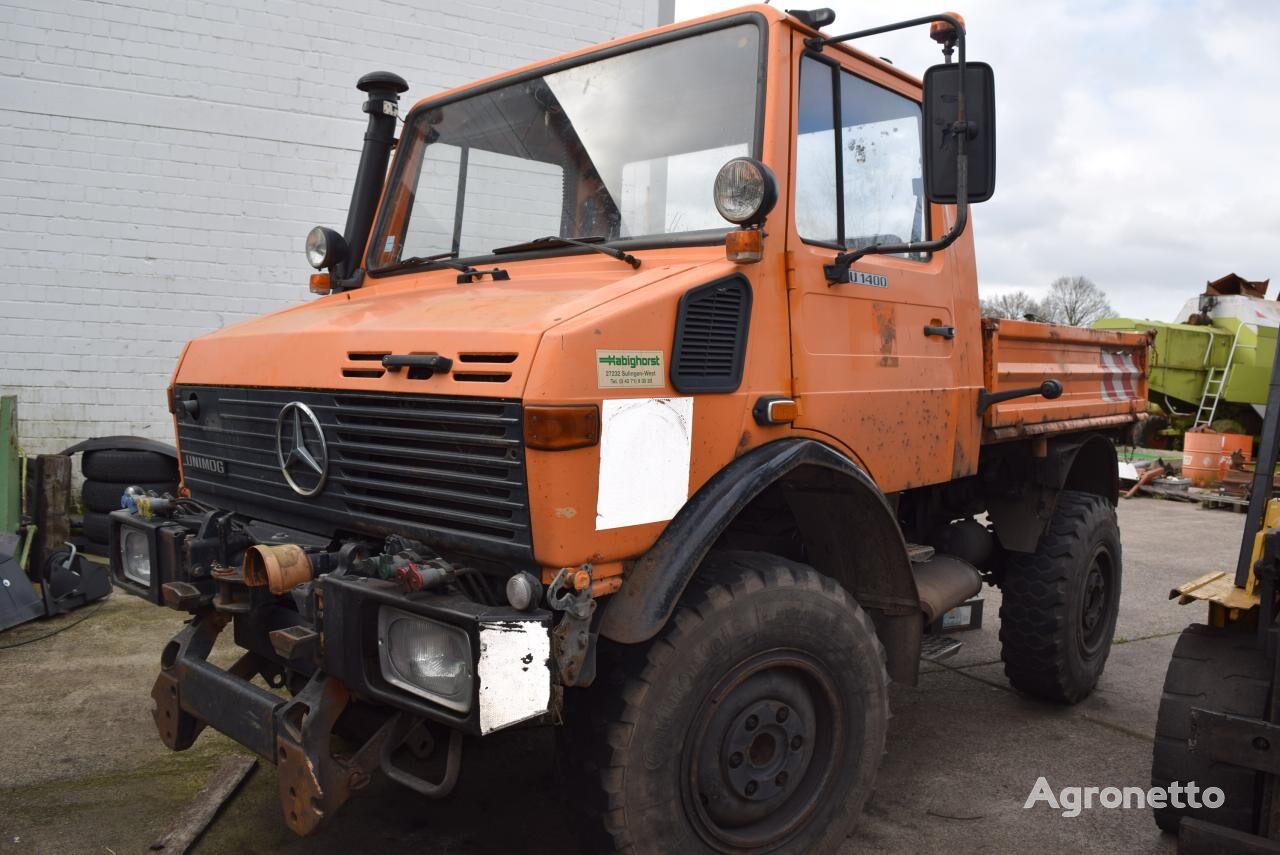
(488, 358)
(711, 336)
(371, 367)
(477, 377)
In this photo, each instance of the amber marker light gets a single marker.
(942, 32)
(771, 410)
(744, 246)
(560, 427)
(320, 283)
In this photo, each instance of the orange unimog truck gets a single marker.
(647, 397)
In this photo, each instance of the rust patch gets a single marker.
(882, 314)
(743, 442)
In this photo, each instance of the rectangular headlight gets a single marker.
(429, 659)
(135, 555)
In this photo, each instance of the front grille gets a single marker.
(448, 471)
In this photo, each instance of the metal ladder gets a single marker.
(1214, 384)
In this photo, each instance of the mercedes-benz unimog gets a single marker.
(646, 396)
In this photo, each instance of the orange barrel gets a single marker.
(1206, 455)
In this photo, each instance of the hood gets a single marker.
(489, 329)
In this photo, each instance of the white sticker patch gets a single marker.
(630, 369)
(515, 678)
(644, 460)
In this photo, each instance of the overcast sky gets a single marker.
(1138, 145)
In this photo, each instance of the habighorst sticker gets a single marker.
(629, 369)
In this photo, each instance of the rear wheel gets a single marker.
(754, 722)
(1220, 670)
(1059, 603)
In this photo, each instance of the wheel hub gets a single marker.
(762, 751)
(1095, 602)
(766, 749)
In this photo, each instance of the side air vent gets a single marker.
(711, 336)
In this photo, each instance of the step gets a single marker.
(934, 648)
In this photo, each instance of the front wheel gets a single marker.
(754, 722)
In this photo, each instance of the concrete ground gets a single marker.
(82, 770)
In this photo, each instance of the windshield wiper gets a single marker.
(592, 243)
(466, 273)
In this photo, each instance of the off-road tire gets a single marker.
(97, 528)
(1220, 670)
(1048, 650)
(104, 496)
(631, 756)
(132, 466)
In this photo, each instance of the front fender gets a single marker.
(850, 533)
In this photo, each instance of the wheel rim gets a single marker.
(1096, 602)
(763, 747)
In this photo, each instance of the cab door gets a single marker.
(874, 358)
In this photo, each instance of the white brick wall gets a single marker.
(162, 160)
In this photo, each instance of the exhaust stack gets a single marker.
(384, 90)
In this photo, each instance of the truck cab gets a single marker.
(645, 394)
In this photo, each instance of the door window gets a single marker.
(863, 186)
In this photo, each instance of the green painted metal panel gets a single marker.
(1182, 355)
(10, 465)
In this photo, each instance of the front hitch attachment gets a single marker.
(572, 642)
(313, 782)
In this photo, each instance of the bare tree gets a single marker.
(1076, 301)
(1013, 305)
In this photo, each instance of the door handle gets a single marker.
(942, 332)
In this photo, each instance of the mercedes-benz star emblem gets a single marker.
(301, 449)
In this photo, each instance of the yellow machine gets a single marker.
(1219, 720)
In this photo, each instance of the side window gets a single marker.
(816, 211)
(880, 151)
(865, 186)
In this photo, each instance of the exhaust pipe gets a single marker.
(280, 568)
(384, 90)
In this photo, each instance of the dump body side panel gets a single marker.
(1103, 374)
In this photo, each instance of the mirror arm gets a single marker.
(838, 271)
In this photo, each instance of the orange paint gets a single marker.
(865, 377)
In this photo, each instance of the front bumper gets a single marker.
(322, 641)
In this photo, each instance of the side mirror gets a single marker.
(941, 112)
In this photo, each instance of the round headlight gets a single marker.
(745, 191)
(325, 247)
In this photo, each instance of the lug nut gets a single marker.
(796, 742)
(781, 780)
(752, 722)
(783, 712)
(735, 760)
(752, 786)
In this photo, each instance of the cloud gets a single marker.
(1137, 140)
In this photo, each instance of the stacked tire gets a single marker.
(107, 473)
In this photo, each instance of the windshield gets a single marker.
(622, 147)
